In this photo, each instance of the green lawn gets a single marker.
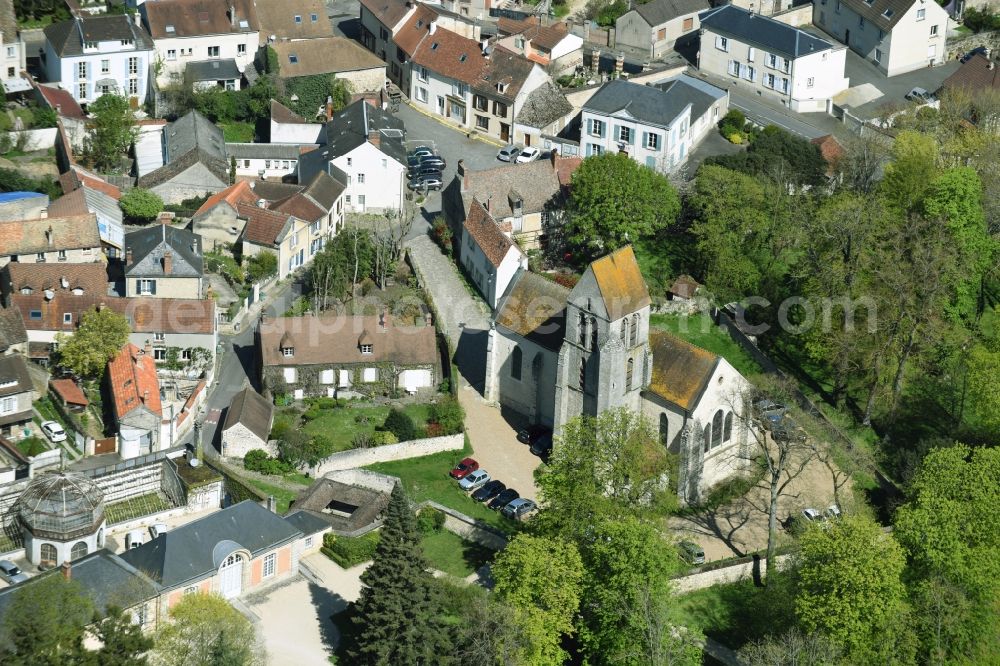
(237, 132)
(135, 507)
(427, 478)
(448, 552)
(341, 424)
(701, 332)
(283, 497)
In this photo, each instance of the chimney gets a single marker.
(147, 349)
(67, 570)
(128, 256)
(48, 235)
(232, 16)
(145, 396)
(433, 27)
(489, 200)
(463, 176)
(554, 156)
(374, 137)
(44, 214)
(620, 63)
(595, 58)
(329, 107)
(137, 18)
(383, 319)
(168, 262)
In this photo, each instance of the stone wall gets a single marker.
(731, 574)
(797, 17)
(364, 478)
(38, 139)
(956, 48)
(412, 449)
(468, 528)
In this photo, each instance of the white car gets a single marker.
(832, 512)
(54, 431)
(529, 154)
(158, 529)
(474, 480)
(812, 515)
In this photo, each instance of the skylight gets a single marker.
(170, 28)
(434, 46)
(463, 58)
(888, 13)
(292, 58)
(244, 24)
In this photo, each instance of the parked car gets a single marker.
(832, 512)
(541, 445)
(489, 491)
(430, 181)
(474, 480)
(134, 539)
(54, 431)
(529, 154)
(433, 161)
(691, 552)
(812, 515)
(421, 151)
(425, 171)
(11, 572)
(979, 50)
(503, 499)
(508, 153)
(519, 509)
(158, 529)
(464, 468)
(412, 162)
(919, 95)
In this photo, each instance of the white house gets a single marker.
(193, 31)
(552, 46)
(488, 254)
(12, 52)
(362, 147)
(659, 26)
(289, 127)
(93, 55)
(273, 161)
(657, 126)
(896, 36)
(763, 56)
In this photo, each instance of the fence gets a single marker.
(402, 451)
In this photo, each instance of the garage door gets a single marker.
(411, 380)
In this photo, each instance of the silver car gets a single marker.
(11, 573)
(508, 153)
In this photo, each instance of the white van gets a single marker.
(134, 539)
(158, 529)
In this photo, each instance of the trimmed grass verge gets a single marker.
(450, 553)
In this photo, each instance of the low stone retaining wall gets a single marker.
(29, 140)
(413, 449)
(730, 574)
(364, 478)
(469, 528)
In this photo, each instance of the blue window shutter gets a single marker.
(617, 134)
(651, 161)
(138, 287)
(645, 139)
(631, 137)
(589, 149)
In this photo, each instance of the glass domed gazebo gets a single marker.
(62, 516)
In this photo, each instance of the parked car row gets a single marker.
(425, 169)
(831, 512)
(494, 493)
(512, 153)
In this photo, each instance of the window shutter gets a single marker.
(590, 148)
(152, 287)
(631, 136)
(651, 161)
(138, 287)
(618, 133)
(718, 42)
(751, 53)
(645, 139)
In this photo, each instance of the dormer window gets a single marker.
(127, 42)
(298, 19)
(8, 383)
(292, 58)
(288, 352)
(67, 317)
(501, 88)
(77, 291)
(90, 45)
(169, 29)
(26, 291)
(888, 13)
(367, 348)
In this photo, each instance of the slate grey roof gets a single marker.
(280, 151)
(67, 37)
(193, 551)
(306, 522)
(148, 245)
(876, 11)
(106, 579)
(775, 36)
(536, 182)
(8, 21)
(12, 331)
(349, 128)
(213, 70)
(328, 501)
(659, 12)
(190, 139)
(13, 368)
(253, 411)
(274, 191)
(543, 106)
(325, 189)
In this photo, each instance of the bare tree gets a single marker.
(388, 233)
(863, 161)
(490, 637)
(791, 648)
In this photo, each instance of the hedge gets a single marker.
(350, 551)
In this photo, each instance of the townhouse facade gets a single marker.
(896, 37)
(13, 56)
(764, 56)
(72, 239)
(17, 394)
(660, 26)
(192, 31)
(92, 56)
(164, 262)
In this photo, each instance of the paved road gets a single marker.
(765, 114)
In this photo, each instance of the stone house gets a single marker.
(86, 200)
(347, 356)
(37, 279)
(292, 20)
(217, 220)
(12, 49)
(134, 390)
(92, 56)
(186, 159)
(334, 57)
(660, 26)
(71, 240)
(230, 552)
(897, 36)
(552, 46)
(164, 262)
(17, 394)
(13, 336)
(772, 59)
(247, 425)
(489, 255)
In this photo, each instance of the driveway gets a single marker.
(294, 618)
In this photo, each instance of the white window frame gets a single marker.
(213, 51)
(652, 141)
(722, 43)
(81, 70)
(8, 405)
(171, 54)
(624, 134)
(270, 565)
(147, 287)
(921, 14)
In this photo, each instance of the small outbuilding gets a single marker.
(248, 424)
(69, 394)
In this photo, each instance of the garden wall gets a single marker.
(38, 139)
(730, 574)
(413, 449)
(468, 528)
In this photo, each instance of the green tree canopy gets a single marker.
(540, 579)
(912, 168)
(203, 627)
(101, 335)
(140, 205)
(779, 155)
(45, 623)
(123, 642)
(615, 201)
(112, 131)
(851, 587)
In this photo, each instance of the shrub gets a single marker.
(262, 266)
(441, 233)
(350, 551)
(735, 118)
(449, 415)
(433, 430)
(383, 437)
(282, 424)
(257, 460)
(735, 138)
(140, 206)
(363, 440)
(430, 521)
(401, 425)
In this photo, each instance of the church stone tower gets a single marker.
(604, 361)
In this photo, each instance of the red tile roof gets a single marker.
(59, 277)
(389, 12)
(68, 391)
(263, 227)
(72, 232)
(199, 18)
(416, 27)
(300, 206)
(62, 102)
(145, 314)
(452, 55)
(494, 243)
(77, 177)
(240, 192)
(978, 73)
(133, 382)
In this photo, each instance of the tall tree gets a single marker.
(123, 642)
(112, 131)
(44, 624)
(398, 615)
(913, 167)
(200, 624)
(540, 578)
(851, 588)
(614, 201)
(101, 335)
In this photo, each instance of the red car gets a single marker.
(464, 468)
